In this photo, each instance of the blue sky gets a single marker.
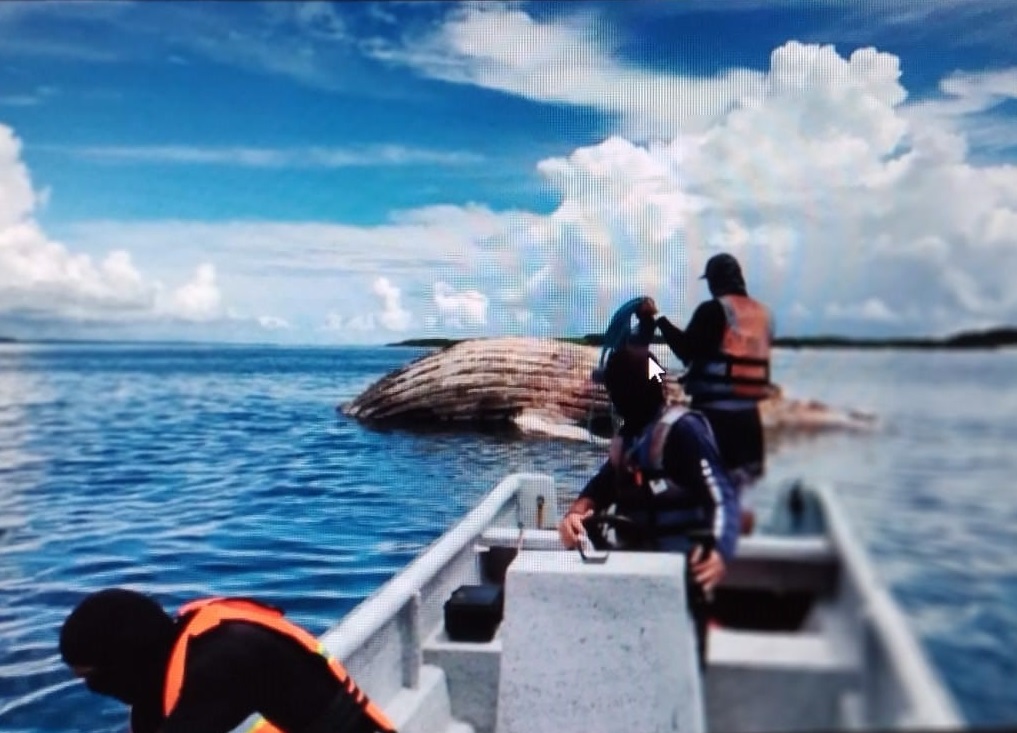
(364, 172)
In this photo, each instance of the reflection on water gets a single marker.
(186, 471)
(19, 389)
(19, 468)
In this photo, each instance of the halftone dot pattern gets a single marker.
(849, 205)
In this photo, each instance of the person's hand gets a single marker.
(708, 570)
(647, 309)
(570, 529)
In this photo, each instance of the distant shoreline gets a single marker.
(989, 339)
(996, 338)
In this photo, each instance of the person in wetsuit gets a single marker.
(726, 348)
(218, 662)
(664, 472)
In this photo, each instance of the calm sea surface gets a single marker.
(193, 470)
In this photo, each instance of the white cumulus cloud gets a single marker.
(839, 194)
(850, 207)
(456, 310)
(198, 300)
(824, 184)
(564, 60)
(393, 316)
(44, 279)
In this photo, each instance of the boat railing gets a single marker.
(380, 641)
(899, 686)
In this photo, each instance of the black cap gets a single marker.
(721, 267)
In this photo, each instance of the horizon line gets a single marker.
(412, 341)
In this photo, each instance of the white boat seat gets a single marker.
(782, 681)
(774, 650)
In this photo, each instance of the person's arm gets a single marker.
(597, 494)
(691, 458)
(702, 337)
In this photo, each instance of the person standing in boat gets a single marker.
(218, 662)
(726, 348)
(664, 472)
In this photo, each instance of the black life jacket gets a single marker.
(646, 494)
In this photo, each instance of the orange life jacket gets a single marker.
(210, 612)
(741, 369)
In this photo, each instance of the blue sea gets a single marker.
(187, 471)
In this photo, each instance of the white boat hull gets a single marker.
(809, 637)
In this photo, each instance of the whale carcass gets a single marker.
(538, 386)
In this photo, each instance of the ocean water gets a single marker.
(195, 470)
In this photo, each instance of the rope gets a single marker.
(619, 330)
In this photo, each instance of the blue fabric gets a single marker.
(619, 330)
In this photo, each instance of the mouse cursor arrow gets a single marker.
(656, 370)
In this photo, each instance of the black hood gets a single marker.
(724, 275)
(126, 637)
(636, 398)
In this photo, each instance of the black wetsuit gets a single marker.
(239, 669)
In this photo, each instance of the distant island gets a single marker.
(994, 338)
(7, 340)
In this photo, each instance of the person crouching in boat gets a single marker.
(210, 668)
(665, 473)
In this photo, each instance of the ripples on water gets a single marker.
(189, 471)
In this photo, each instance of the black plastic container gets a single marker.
(473, 612)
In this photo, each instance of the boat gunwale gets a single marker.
(372, 614)
(883, 616)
